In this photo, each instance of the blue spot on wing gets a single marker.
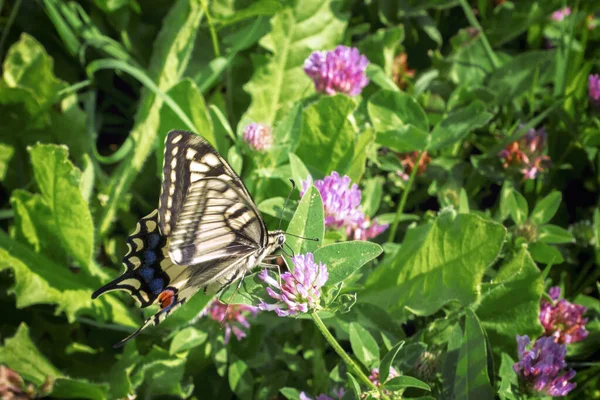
(149, 257)
(156, 285)
(153, 240)
(146, 273)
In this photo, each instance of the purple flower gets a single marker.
(303, 396)
(594, 90)
(367, 229)
(339, 71)
(341, 202)
(563, 321)
(232, 317)
(526, 154)
(561, 14)
(374, 377)
(542, 369)
(299, 290)
(258, 136)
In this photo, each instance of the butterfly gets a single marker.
(206, 233)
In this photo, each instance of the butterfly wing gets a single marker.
(204, 205)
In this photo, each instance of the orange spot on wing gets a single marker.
(166, 298)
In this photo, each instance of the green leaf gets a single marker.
(377, 75)
(241, 380)
(58, 181)
(327, 140)
(278, 78)
(354, 385)
(405, 139)
(290, 393)
(508, 378)
(516, 77)
(308, 222)
(552, 234)
(21, 354)
(544, 253)
(458, 124)
(380, 48)
(390, 110)
(517, 206)
(172, 51)
(510, 304)
(546, 208)
(343, 259)
(357, 166)
(255, 9)
(363, 345)
(437, 263)
(372, 194)
(403, 382)
(472, 381)
(161, 374)
(299, 171)
(186, 339)
(386, 362)
(187, 95)
(38, 280)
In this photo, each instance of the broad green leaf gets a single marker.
(363, 345)
(172, 50)
(517, 76)
(470, 63)
(545, 209)
(327, 140)
(552, 234)
(389, 111)
(254, 9)
(510, 303)
(290, 393)
(517, 206)
(308, 222)
(472, 381)
(241, 380)
(186, 94)
(22, 355)
(278, 78)
(357, 166)
(372, 194)
(343, 259)
(235, 159)
(403, 382)
(438, 262)
(28, 67)
(508, 378)
(299, 171)
(454, 343)
(159, 373)
(186, 339)
(58, 181)
(377, 75)
(387, 360)
(405, 139)
(458, 124)
(380, 48)
(354, 385)
(39, 280)
(544, 253)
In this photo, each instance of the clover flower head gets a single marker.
(341, 200)
(561, 14)
(258, 136)
(367, 229)
(297, 291)
(594, 90)
(562, 321)
(526, 154)
(542, 368)
(374, 377)
(233, 317)
(342, 70)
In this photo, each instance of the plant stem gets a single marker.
(6, 30)
(211, 27)
(338, 349)
(475, 24)
(400, 209)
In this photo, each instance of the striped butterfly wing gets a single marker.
(206, 233)
(205, 207)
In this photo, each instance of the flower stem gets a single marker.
(211, 27)
(475, 24)
(338, 349)
(400, 209)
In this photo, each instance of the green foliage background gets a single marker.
(89, 90)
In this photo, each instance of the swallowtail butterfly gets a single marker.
(206, 233)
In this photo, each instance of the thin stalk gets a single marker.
(475, 24)
(11, 20)
(400, 209)
(338, 349)
(211, 28)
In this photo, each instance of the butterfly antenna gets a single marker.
(292, 250)
(286, 201)
(303, 237)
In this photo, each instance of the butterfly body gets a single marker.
(206, 233)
